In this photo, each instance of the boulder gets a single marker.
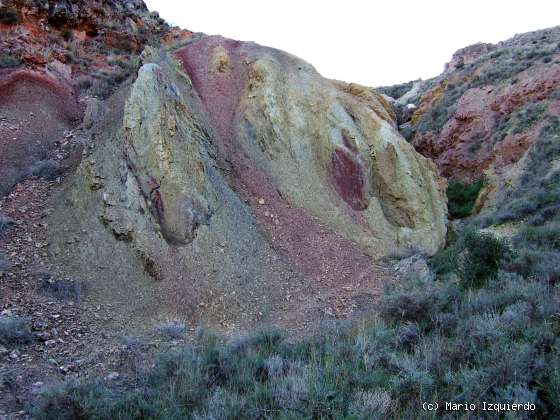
(168, 153)
(414, 266)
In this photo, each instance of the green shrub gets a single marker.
(461, 198)
(483, 256)
(14, 331)
(8, 16)
(474, 256)
(546, 236)
(9, 60)
(73, 400)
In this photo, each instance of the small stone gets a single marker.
(43, 336)
(261, 201)
(113, 376)
(36, 387)
(50, 343)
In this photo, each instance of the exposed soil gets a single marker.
(30, 128)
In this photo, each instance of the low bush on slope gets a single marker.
(451, 339)
(461, 198)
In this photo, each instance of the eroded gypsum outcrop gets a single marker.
(325, 146)
(296, 183)
(150, 263)
(167, 152)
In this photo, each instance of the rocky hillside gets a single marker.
(57, 53)
(161, 178)
(92, 44)
(230, 177)
(491, 123)
(488, 107)
(154, 182)
(213, 181)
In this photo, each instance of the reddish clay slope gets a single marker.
(488, 107)
(35, 110)
(316, 250)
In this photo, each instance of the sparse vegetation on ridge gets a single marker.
(537, 192)
(396, 91)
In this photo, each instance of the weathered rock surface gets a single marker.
(166, 151)
(229, 166)
(468, 55)
(35, 111)
(328, 148)
(89, 41)
(485, 111)
(93, 47)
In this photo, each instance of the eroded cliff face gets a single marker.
(321, 145)
(486, 110)
(228, 166)
(92, 44)
(54, 54)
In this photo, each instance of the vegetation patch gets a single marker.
(9, 60)
(59, 289)
(443, 110)
(461, 198)
(15, 330)
(450, 339)
(8, 16)
(474, 257)
(537, 193)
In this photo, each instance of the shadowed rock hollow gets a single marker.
(230, 177)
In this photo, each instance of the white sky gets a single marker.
(367, 42)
